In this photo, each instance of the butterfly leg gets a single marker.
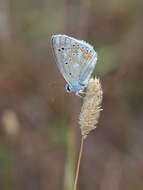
(80, 93)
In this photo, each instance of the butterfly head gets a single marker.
(79, 89)
(68, 88)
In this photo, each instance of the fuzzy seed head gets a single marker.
(91, 108)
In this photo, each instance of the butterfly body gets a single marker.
(75, 59)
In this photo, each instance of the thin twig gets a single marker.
(79, 160)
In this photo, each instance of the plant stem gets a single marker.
(79, 160)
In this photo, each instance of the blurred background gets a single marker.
(39, 131)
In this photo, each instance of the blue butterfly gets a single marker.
(76, 61)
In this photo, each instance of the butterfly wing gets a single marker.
(75, 59)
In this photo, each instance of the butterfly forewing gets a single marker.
(75, 59)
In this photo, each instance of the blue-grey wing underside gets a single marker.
(75, 59)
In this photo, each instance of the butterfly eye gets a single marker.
(63, 48)
(59, 49)
(68, 88)
(66, 63)
(70, 73)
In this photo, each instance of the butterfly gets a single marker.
(76, 61)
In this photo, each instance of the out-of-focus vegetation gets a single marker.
(39, 134)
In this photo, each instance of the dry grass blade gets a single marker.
(78, 164)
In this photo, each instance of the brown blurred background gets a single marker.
(39, 131)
